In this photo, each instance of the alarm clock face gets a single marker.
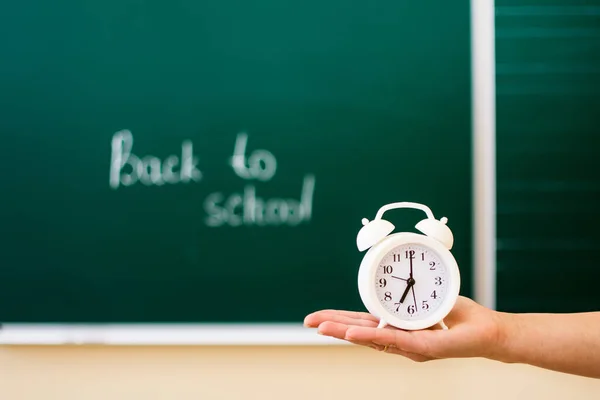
(412, 281)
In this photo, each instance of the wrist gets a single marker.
(507, 329)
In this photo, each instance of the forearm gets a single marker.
(567, 343)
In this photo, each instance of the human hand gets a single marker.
(473, 331)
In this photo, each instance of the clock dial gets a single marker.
(411, 281)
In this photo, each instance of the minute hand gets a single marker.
(411, 280)
(414, 297)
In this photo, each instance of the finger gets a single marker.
(338, 331)
(412, 342)
(334, 329)
(314, 319)
(317, 320)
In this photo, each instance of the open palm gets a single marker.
(473, 331)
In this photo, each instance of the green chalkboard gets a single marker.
(210, 161)
(548, 114)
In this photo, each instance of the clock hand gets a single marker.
(397, 277)
(414, 297)
(410, 282)
(405, 293)
(409, 285)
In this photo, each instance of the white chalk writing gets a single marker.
(250, 209)
(262, 164)
(149, 170)
(234, 209)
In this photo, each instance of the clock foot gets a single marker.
(382, 323)
(443, 325)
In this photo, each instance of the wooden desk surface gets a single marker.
(290, 373)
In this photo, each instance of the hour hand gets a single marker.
(409, 284)
(405, 293)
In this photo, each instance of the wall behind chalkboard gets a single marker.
(210, 161)
(548, 103)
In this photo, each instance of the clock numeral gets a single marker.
(425, 306)
(396, 257)
(422, 256)
(411, 309)
(432, 265)
(387, 269)
(388, 296)
(434, 295)
(382, 282)
(438, 280)
(410, 254)
(398, 304)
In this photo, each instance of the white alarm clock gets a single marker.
(408, 280)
